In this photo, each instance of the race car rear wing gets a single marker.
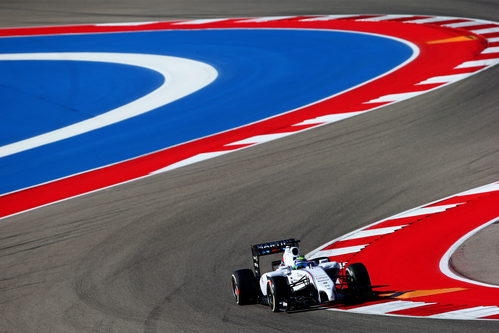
(264, 249)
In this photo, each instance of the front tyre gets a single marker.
(277, 292)
(358, 280)
(244, 286)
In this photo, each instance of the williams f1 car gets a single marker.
(296, 282)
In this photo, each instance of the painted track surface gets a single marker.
(106, 260)
(440, 55)
(173, 131)
(409, 254)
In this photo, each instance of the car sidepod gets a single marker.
(322, 282)
(264, 279)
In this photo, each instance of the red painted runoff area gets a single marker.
(408, 259)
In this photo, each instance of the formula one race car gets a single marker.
(295, 282)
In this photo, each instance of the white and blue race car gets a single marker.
(296, 282)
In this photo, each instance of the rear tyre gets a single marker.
(358, 280)
(277, 292)
(244, 286)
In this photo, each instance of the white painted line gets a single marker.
(465, 24)
(261, 138)
(482, 189)
(486, 31)
(124, 24)
(191, 160)
(446, 78)
(479, 63)
(327, 18)
(469, 313)
(373, 232)
(382, 308)
(494, 49)
(330, 118)
(433, 19)
(444, 264)
(313, 253)
(266, 19)
(414, 55)
(424, 211)
(493, 40)
(200, 21)
(338, 252)
(385, 17)
(181, 78)
(397, 97)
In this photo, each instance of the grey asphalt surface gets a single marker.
(477, 258)
(155, 255)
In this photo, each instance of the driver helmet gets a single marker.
(300, 262)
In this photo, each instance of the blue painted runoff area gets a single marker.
(261, 73)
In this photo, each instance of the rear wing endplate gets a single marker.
(264, 249)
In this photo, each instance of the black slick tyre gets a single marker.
(358, 280)
(277, 292)
(244, 286)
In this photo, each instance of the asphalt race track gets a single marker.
(156, 254)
